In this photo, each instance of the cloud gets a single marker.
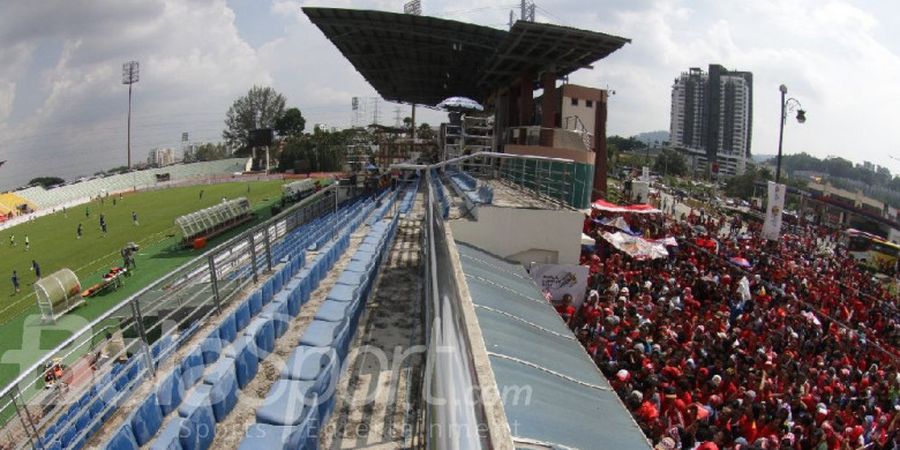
(62, 104)
(193, 64)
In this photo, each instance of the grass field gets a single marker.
(54, 246)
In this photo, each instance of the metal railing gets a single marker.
(85, 378)
(551, 179)
(454, 414)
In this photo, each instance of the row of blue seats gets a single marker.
(84, 416)
(409, 197)
(303, 236)
(73, 428)
(463, 180)
(311, 235)
(228, 359)
(304, 396)
(467, 186)
(387, 200)
(438, 188)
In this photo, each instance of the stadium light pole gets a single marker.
(786, 105)
(130, 75)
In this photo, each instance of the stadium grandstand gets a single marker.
(82, 191)
(11, 205)
(375, 317)
(354, 318)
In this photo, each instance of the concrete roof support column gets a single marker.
(549, 107)
(526, 105)
(600, 161)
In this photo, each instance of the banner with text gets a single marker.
(775, 206)
(562, 279)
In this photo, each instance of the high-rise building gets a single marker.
(161, 157)
(712, 118)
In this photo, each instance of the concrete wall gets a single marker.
(524, 235)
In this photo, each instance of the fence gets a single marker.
(75, 387)
(555, 179)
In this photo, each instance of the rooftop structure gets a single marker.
(423, 60)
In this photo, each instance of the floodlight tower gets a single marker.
(130, 75)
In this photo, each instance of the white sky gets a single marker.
(62, 104)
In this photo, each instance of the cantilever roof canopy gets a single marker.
(423, 60)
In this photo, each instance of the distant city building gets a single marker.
(712, 118)
(161, 157)
(869, 166)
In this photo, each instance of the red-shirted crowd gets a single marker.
(797, 351)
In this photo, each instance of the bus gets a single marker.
(872, 251)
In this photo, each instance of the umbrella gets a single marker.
(459, 104)
(740, 261)
(587, 240)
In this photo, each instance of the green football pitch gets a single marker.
(53, 245)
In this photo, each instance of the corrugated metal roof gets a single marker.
(421, 59)
(552, 392)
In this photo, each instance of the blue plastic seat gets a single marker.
(277, 281)
(304, 291)
(317, 364)
(372, 240)
(328, 334)
(353, 278)
(288, 403)
(199, 429)
(278, 313)
(192, 367)
(335, 310)
(357, 266)
(223, 387)
(242, 316)
(96, 406)
(291, 285)
(320, 334)
(123, 439)
(68, 433)
(256, 302)
(199, 395)
(145, 420)
(262, 330)
(169, 437)
(228, 328)
(170, 391)
(369, 258)
(267, 291)
(343, 293)
(246, 362)
(276, 437)
(211, 348)
(83, 420)
(368, 248)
